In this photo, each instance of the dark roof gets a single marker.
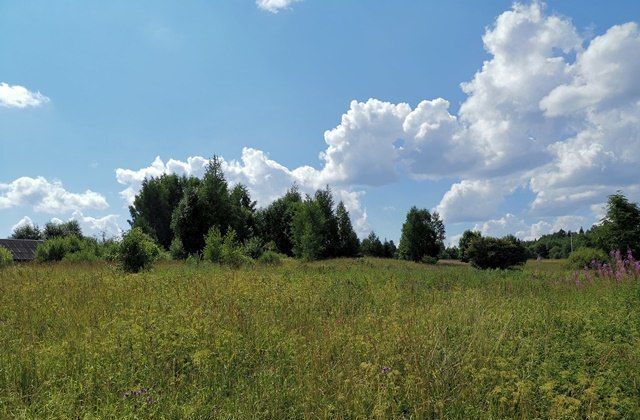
(22, 249)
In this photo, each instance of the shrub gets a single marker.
(584, 257)
(56, 248)
(83, 255)
(253, 248)
(270, 258)
(213, 246)
(6, 258)
(137, 251)
(429, 260)
(231, 253)
(487, 252)
(177, 250)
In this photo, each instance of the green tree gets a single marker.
(465, 242)
(620, 228)
(348, 243)
(137, 251)
(213, 194)
(243, 210)
(307, 230)
(57, 229)
(372, 247)
(488, 252)
(153, 207)
(422, 235)
(188, 222)
(274, 222)
(213, 246)
(26, 231)
(330, 235)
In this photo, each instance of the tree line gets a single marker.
(190, 216)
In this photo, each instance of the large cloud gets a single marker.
(48, 197)
(20, 97)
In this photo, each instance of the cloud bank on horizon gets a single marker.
(549, 111)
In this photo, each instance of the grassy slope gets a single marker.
(346, 339)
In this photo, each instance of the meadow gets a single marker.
(365, 338)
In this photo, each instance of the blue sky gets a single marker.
(122, 83)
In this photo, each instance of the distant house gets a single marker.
(22, 249)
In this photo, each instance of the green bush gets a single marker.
(137, 251)
(213, 246)
(56, 248)
(83, 255)
(429, 260)
(177, 250)
(253, 248)
(6, 258)
(584, 257)
(270, 258)
(231, 253)
(487, 252)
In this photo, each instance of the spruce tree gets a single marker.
(348, 243)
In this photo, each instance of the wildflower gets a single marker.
(386, 369)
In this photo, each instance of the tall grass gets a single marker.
(342, 339)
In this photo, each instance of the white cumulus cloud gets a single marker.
(274, 6)
(20, 97)
(47, 197)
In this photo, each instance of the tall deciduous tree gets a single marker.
(274, 222)
(307, 229)
(465, 242)
(620, 228)
(422, 235)
(153, 207)
(26, 231)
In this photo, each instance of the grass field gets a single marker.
(341, 339)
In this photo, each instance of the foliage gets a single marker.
(188, 220)
(329, 233)
(348, 243)
(6, 258)
(331, 339)
(488, 252)
(270, 258)
(231, 252)
(213, 246)
(56, 248)
(422, 235)
(153, 206)
(253, 248)
(465, 241)
(429, 260)
(450, 253)
(274, 222)
(372, 246)
(83, 255)
(57, 229)
(177, 250)
(137, 251)
(620, 228)
(584, 257)
(307, 229)
(26, 231)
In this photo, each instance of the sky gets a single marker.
(504, 117)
